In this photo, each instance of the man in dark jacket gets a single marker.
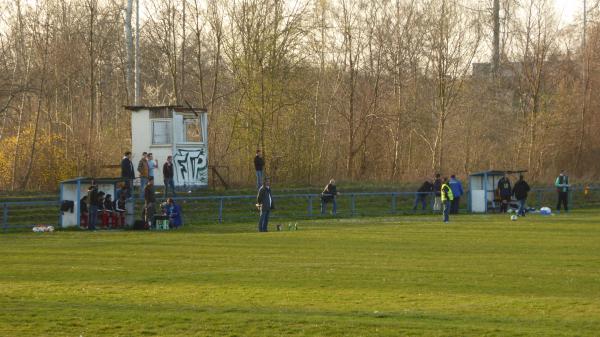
(93, 198)
(422, 193)
(127, 171)
(562, 187)
(264, 203)
(505, 191)
(259, 165)
(329, 194)
(520, 191)
(168, 176)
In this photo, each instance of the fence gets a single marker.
(20, 215)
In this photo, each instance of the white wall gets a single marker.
(141, 133)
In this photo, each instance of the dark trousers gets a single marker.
(454, 205)
(504, 203)
(169, 183)
(563, 197)
(263, 221)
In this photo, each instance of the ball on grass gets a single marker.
(513, 217)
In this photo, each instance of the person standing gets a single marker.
(259, 165)
(143, 172)
(329, 194)
(447, 197)
(562, 187)
(421, 195)
(437, 187)
(127, 171)
(520, 191)
(457, 192)
(93, 199)
(149, 201)
(168, 176)
(264, 203)
(505, 191)
(152, 165)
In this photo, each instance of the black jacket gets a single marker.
(259, 163)
(504, 187)
(329, 192)
(520, 190)
(93, 195)
(167, 171)
(265, 198)
(127, 170)
(426, 187)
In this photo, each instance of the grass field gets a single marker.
(397, 276)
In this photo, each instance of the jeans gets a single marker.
(143, 183)
(259, 179)
(264, 220)
(324, 206)
(93, 212)
(521, 210)
(169, 182)
(422, 199)
(446, 204)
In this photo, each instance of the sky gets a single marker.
(569, 10)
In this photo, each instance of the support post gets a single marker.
(310, 204)
(220, 210)
(394, 202)
(5, 217)
(352, 205)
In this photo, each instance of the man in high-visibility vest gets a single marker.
(447, 197)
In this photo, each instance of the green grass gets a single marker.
(397, 276)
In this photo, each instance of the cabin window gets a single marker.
(192, 132)
(161, 132)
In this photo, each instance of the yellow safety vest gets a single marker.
(447, 195)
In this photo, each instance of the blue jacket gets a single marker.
(456, 187)
(174, 213)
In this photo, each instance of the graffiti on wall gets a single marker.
(191, 167)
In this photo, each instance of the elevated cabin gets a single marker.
(172, 130)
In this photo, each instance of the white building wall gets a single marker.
(196, 154)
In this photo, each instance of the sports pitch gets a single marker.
(397, 276)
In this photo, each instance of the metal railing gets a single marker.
(19, 215)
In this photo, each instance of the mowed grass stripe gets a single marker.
(479, 275)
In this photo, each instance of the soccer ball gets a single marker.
(513, 217)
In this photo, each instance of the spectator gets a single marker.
(329, 194)
(437, 187)
(110, 216)
(520, 191)
(127, 171)
(259, 165)
(93, 198)
(83, 212)
(264, 203)
(173, 211)
(562, 187)
(421, 195)
(168, 176)
(143, 171)
(149, 202)
(152, 165)
(457, 192)
(120, 209)
(447, 197)
(505, 192)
